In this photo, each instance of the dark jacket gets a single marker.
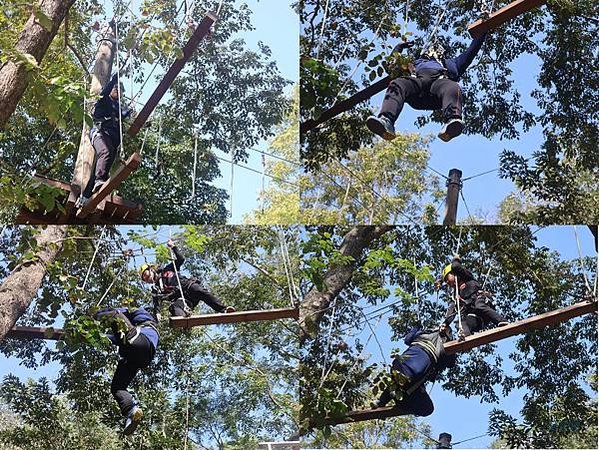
(453, 68)
(166, 282)
(137, 317)
(468, 288)
(432, 343)
(106, 112)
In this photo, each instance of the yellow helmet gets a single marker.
(143, 268)
(446, 270)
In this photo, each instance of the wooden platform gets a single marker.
(236, 317)
(502, 16)
(35, 333)
(110, 208)
(200, 33)
(521, 326)
(113, 182)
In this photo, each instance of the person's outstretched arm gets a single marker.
(464, 60)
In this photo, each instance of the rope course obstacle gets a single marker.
(476, 29)
(235, 317)
(486, 337)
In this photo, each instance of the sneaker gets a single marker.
(503, 323)
(132, 421)
(451, 129)
(98, 185)
(382, 127)
(81, 201)
(229, 309)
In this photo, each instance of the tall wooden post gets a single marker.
(454, 184)
(100, 76)
(444, 440)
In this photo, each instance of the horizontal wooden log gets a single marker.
(113, 182)
(502, 16)
(367, 414)
(200, 33)
(521, 326)
(346, 104)
(35, 333)
(235, 317)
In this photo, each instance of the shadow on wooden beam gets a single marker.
(502, 16)
(521, 326)
(236, 317)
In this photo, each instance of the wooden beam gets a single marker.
(200, 33)
(35, 333)
(501, 16)
(113, 182)
(235, 317)
(346, 104)
(521, 326)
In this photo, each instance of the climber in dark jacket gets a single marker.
(135, 333)
(166, 287)
(421, 362)
(105, 135)
(477, 310)
(433, 85)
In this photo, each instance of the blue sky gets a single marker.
(465, 418)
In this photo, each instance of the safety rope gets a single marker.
(456, 253)
(458, 307)
(582, 268)
(324, 21)
(172, 253)
(118, 81)
(232, 181)
(195, 167)
(158, 144)
(93, 258)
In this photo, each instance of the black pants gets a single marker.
(478, 315)
(134, 357)
(105, 147)
(426, 92)
(194, 294)
(418, 403)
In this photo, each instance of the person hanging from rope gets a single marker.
(476, 309)
(135, 333)
(432, 85)
(105, 135)
(184, 296)
(423, 360)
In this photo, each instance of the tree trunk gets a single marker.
(33, 40)
(85, 163)
(315, 302)
(20, 287)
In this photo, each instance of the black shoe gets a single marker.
(451, 129)
(97, 186)
(382, 127)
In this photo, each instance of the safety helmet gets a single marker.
(446, 270)
(143, 268)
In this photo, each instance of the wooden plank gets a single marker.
(235, 317)
(521, 326)
(346, 104)
(35, 333)
(113, 182)
(501, 16)
(200, 33)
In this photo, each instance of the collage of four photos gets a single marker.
(285, 224)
